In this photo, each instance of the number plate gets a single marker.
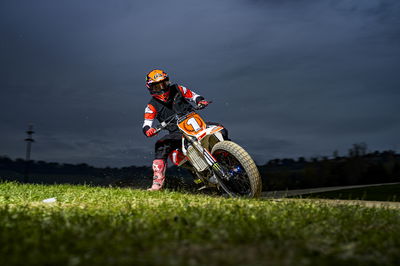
(192, 125)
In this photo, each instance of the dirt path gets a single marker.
(281, 196)
(298, 192)
(365, 203)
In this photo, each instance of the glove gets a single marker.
(151, 132)
(202, 104)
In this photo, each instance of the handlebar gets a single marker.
(163, 125)
(174, 117)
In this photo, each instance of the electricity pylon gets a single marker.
(29, 141)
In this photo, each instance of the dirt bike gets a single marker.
(218, 163)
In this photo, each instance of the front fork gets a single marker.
(211, 161)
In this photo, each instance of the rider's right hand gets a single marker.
(151, 132)
(203, 104)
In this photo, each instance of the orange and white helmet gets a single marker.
(157, 81)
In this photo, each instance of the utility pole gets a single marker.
(29, 141)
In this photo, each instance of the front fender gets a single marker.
(212, 135)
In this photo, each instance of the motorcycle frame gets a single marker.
(197, 134)
(201, 141)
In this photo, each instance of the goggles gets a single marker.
(159, 87)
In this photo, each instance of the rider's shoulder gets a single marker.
(181, 88)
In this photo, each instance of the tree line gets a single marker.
(358, 167)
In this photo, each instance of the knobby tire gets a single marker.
(244, 159)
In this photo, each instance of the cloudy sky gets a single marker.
(288, 78)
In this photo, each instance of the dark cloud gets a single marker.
(288, 78)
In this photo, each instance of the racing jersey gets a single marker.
(178, 101)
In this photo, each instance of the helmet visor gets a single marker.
(159, 87)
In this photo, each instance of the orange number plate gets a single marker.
(193, 124)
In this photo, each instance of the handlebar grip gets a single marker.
(199, 107)
(158, 129)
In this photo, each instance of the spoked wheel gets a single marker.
(241, 174)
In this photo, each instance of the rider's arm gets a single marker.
(150, 114)
(190, 95)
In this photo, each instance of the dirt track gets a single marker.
(297, 192)
(365, 203)
(281, 195)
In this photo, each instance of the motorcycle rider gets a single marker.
(167, 100)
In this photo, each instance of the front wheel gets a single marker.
(241, 176)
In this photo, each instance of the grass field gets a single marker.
(381, 193)
(116, 226)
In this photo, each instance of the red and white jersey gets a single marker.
(150, 114)
(189, 95)
(163, 110)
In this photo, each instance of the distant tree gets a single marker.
(287, 161)
(396, 171)
(388, 155)
(301, 160)
(274, 162)
(358, 149)
(5, 159)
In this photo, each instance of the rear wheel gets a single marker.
(241, 176)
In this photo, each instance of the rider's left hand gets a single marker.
(202, 104)
(151, 132)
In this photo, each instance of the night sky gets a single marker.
(288, 78)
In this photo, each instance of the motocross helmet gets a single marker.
(157, 81)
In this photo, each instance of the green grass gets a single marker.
(116, 226)
(379, 193)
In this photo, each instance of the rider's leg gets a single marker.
(162, 149)
(159, 167)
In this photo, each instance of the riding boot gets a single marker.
(159, 167)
